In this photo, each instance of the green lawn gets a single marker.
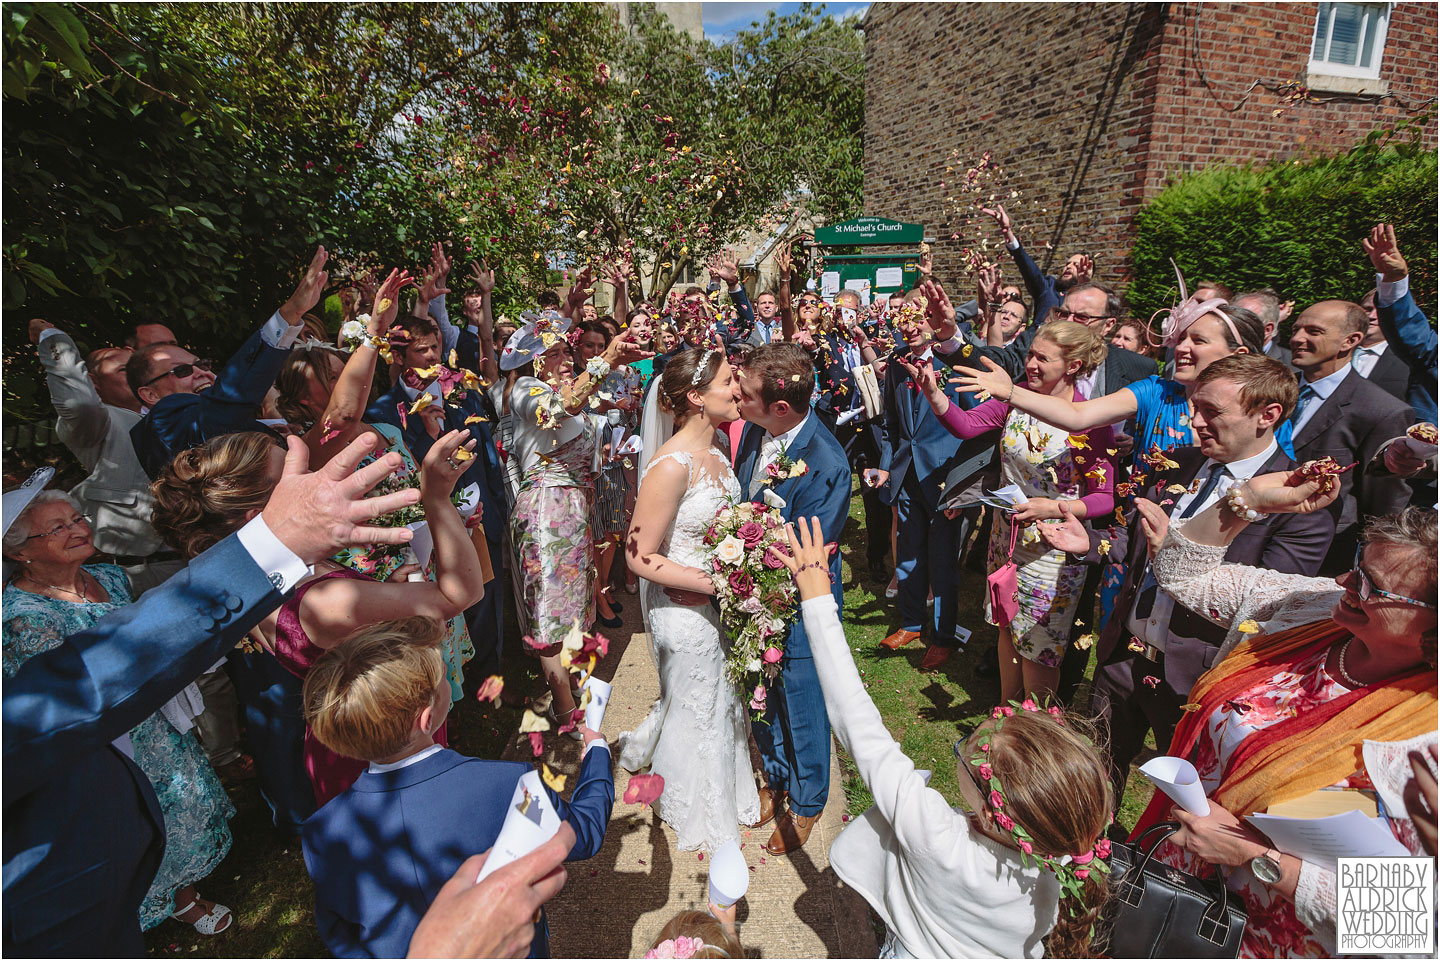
(264, 880)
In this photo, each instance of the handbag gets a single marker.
(1003, 585)
(1156, 911)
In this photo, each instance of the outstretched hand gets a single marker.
(722, 266)
(1154, 524)
(1069, 535)
(993, 379)
(1291, 492)
(307, 293)
(1384, 253)
(441, 468)
(317, 515)
(923, 374)
(809, 559)
(938, 310)
(1002, 220)
(483, 275)
(387, 300)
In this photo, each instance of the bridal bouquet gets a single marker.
(755, 591)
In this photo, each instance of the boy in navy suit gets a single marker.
(380, 852)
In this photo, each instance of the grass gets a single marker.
(264, 881)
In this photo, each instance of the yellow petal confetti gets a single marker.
(1248, 627)
(533, 722)
(382, 305)
(1078, 441)
(454, 360)
(425, 373)
(422, 402)
(1104, 546)
(1175, 489)
(536, 391)
(555, 782)
(462, 454)
(1190, 708)
(1085, 641)
(474, 419)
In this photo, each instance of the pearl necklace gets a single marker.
(82, 593)
(1340, 666)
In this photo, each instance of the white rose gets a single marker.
(753, 666)
(731, 550)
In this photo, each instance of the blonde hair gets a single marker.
(1076, 342)
(1058, 788)
(719, 942)
(204, 493)
(362, 696)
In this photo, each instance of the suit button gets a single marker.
(234, 603)
(217, 611)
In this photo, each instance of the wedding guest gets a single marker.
(699, 934)
(550, 528)
(1310, 677)
(1134, 336)
(1402, 323)
(1021, 871)
(209, 492)
(56, 594)
(381, 697)
(144, 333)
(1051, 467)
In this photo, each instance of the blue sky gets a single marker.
(724, 19)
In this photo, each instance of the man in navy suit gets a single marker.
(917, 454)
(783, 437)
(421, 351)
(1402, 323)
(189, 405)
(83, 833)
(421, 809)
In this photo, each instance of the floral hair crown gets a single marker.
(1070, 870)
(682, 947)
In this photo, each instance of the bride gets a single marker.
(696, 735)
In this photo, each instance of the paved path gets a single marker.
(614, 903)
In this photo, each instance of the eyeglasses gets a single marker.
(71, 524)
(806, 302)
(182, 370)
(1060, 313)
(1367, 587)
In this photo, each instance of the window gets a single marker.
(1349, 39)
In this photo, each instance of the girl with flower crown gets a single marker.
(1019, 870)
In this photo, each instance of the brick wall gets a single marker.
(1089, 108)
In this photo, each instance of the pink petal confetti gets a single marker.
(490, 690)
(644, 789)
(330, 433)
(537, 743)
(1150, 680)
(701, 855)
(844, 818)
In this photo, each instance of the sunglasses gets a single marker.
(182, 370)
(71, 524)
(806, 302)
(1366, 587)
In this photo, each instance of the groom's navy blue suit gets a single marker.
(795, 743)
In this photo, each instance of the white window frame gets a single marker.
(1328, 68)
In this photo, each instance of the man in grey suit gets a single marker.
(97, 410)
(1266, 305)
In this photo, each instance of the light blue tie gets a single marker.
(1306, 394)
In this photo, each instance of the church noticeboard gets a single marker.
(869, 230)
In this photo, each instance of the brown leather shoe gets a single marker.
(899, 639)
(770, 802)
(791, 832)
(935, 657)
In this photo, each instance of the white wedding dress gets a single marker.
(696, 735)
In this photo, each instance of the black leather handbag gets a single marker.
(1156, 911)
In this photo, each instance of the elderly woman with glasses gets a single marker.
(1318, 688)
(55, 594)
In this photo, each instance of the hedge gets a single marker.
(1291, 225)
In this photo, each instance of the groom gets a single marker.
(775, 387)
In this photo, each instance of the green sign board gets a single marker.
(864, 231)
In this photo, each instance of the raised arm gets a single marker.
(484, 277)
(785, 261)
(1072, 415)
(1406, 329)
(83, 419)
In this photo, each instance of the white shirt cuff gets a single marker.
(284, 568)
(735, 289)
(46, 333)
(1387, 293)
(598, 744)
(1014, 246)
(946, 347)
(277, 333)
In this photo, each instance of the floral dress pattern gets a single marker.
(1273, 930)
(551, 530)
(1041, 461)
(196, 809)
(380, 561)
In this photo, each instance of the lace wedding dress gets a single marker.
(696, 735)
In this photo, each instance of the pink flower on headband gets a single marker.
(1081, 873)
(1029, 705)
(1005, 821)
(1102, 847)
(681, 947)
(986, 772)
(1053, 709)
(996, 801)
(1025, 846)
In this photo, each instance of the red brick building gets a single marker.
(1091, 107)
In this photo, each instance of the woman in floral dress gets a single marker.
(550, 526)
(1060, 474)
(1318, 687)
(56, 595)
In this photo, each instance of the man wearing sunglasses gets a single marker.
(189, 404)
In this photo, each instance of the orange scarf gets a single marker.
(1301, 754)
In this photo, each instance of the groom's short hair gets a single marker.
(784, 372)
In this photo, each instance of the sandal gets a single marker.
(218, 919)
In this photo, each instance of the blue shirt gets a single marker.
(1162, 417)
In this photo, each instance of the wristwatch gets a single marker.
(1266, 867)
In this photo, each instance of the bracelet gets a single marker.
(1011, 394)
(813, 565)
(597, 367)
(1238, 507)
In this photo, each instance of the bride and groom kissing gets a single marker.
(696, 735)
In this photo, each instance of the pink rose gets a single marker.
(986, 772)
(742, 584)
(1025, 846)
(1029, 705)
(1082, 873)
(1004, 820)
(773, 560)
(772, 655)
(1102, 847)
(1007, 711)
(1053, 709)
(757, 698)
(751, 533)
(996, 801)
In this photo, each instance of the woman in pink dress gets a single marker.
(210, 492)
